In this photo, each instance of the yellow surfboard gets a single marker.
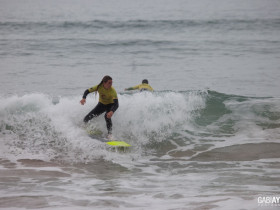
(118, 144)
(96, 134)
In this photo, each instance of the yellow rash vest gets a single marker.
(106, 96)
(142, 87)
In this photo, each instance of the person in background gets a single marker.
(142, 87)
(108, 102)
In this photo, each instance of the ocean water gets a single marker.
(206, 138)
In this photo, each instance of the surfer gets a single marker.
(108, 102)
(142, 87)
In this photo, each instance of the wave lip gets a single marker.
(184, 124)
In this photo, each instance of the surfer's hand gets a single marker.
(83, 101)
(110, 114)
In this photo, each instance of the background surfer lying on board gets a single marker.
(108, 102)
(142, 87)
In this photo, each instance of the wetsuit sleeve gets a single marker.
(90, 90)
(115, 105)
(134, 88)
(86, 93)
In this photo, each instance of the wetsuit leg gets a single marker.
(99, 109)
(109, 123)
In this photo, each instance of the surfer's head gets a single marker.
(107, 82)
(106, 79)
(145, 81)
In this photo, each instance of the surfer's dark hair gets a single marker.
(145, 81)
(104, 80)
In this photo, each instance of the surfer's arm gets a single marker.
(90, 90)
(115, 105)
(83, 101)
(132, 88)
(113, 108)
(86, 93)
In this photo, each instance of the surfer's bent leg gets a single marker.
(99, 109)
(108, 124)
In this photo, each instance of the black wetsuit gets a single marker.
(101, 108)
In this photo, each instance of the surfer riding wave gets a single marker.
(108, 101)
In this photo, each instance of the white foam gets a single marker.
(48, 128)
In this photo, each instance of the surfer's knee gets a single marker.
(106, 118)
(86, 120)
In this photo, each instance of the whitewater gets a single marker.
(185, 151)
